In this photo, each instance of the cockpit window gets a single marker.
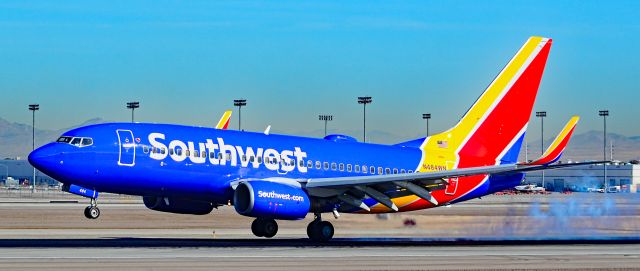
(76, 141)
(64, 139)
(86, 141)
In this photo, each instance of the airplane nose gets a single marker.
(43, 158)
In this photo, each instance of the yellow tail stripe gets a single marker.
(224, 119)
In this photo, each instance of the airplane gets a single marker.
(192, 170)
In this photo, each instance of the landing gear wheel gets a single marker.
(256, 228)
(264, 227)
(311, 228)
(270, 228)
(91, 212)
(320, 231)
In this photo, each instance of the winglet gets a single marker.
(555, 150)
(223, 123)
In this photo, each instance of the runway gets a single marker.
(492, 233)
(301, 255)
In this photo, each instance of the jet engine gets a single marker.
(275, 200)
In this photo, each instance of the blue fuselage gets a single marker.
(201, 163)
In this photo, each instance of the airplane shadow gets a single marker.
(259, 243)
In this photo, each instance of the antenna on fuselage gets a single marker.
(266, 131)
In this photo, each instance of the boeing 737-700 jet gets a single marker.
(192, 170)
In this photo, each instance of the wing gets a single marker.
(421, 184)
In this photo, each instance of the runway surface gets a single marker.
(134, 254)
(555, 233)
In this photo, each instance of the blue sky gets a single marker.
(185, 61)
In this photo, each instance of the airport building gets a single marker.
(621, 177)
(22, 171)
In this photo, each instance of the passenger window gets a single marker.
(187, 153)
(179, 152)
(203, 154)
(357, 168)
(403, 171)
(163, 151)
(145, 149)
(387, 171)
(341, 167)
(228, 157)
(212, 155)
(317, 164)
(372, 170)
(195, 153)
(380, 170)
(309, 163)
(348, 167)
(259, 159)
(333, 166)
(219, 156)
(395, 171)
(171, 151)
(301, 163)
(251, 159)
(326, 165)
(410, 171)
(364, 169)
(244, 158)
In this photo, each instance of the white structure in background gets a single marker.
(621, 177)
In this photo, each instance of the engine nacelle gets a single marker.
(275, 200)
(178, 206)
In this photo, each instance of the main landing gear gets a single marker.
(92, 211)
(320, 231)
(264, 227)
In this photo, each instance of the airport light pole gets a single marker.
(427, 117)
(133, 106)
(364, 100)
(240, 103)
(325, 118)
(542, 115)
(604, 114)
(33, 108)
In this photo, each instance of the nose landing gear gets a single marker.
(92, 211)
(320, 231)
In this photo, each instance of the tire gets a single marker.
(257, 228)
(324, 231)
(94, 212)
(269, 228)
(86, 212)
(311, 230)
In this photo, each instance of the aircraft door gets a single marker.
(127, 153)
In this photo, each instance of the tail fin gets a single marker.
(223, 123)
(555, 150)
(492, 130)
